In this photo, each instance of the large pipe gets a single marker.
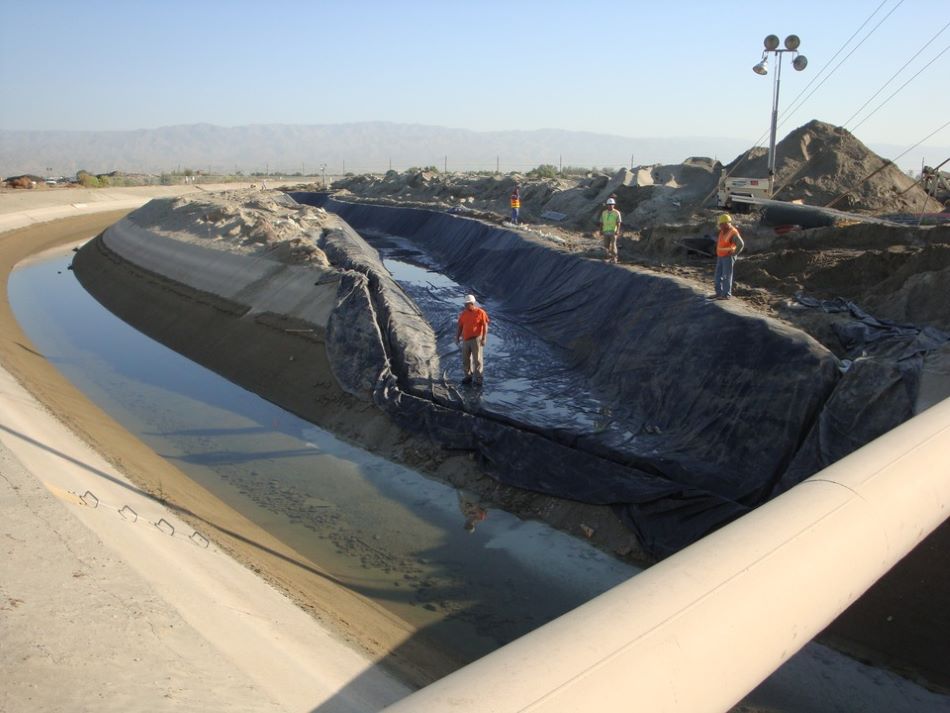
(701, 629)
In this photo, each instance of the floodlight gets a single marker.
(761, 68)
(771, 42)
(792, 42)
(800, 62)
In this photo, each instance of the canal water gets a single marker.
(384, 530)
(524, 374)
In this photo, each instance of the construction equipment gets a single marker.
(736, 194)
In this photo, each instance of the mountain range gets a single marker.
(354, 147)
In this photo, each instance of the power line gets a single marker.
(798, 98)
(901, 87)
(827, 64)
(845, 59)
(917, 54)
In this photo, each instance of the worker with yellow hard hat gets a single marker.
(728, 245)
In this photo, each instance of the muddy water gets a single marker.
(524, 374)
(379, 528)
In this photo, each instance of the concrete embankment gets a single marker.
(111, 612)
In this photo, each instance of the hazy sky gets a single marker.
(638, 69)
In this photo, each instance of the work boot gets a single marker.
(467, 380)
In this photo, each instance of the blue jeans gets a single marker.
(723, 277)
(514, 215)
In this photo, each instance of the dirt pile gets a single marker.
(820, 164)
(815, 164)
(259, 223)
(23, 181)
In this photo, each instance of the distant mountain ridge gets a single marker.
(354, 147)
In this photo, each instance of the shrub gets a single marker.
(545, 170)
(87, 180)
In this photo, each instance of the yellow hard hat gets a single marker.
(724, 218)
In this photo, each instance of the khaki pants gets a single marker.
(472, 357)
(610, 245)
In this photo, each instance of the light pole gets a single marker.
(799, 63)
(323, 168)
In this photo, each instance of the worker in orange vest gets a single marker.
(472, 334)
(515, 205)
(728, 245)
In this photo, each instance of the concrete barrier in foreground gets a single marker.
(701, 629)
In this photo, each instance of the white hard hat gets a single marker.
(469, 299)
(611, 201)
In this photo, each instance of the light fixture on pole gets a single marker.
(798, 63)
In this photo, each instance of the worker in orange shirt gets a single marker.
(472, 334)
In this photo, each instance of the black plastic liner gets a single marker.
(713, 402)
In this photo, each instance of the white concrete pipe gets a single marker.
(701, 629)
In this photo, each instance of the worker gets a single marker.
(472, 510)
(472, 334)
(610, 224)
(515, 205)
(728, 245)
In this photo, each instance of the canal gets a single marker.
(382, 529)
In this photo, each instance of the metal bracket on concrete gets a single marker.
(165, 526)
(89, 499)
(129, 514)
(199, 539)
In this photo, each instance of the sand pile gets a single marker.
(820, 164)
(816, 164)
(250, 222)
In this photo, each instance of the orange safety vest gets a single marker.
(725, 245)
(515, 200)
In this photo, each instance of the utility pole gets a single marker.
(497, 165)
(445, 164)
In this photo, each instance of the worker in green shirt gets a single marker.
(610, 224)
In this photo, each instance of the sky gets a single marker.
(630, 68)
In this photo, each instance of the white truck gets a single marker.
(736, 194)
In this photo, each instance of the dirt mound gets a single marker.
(262, 223)
(817, 164)
(23, 181)
(820, 164)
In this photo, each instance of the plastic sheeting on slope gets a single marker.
(718, 399)
(878, 391)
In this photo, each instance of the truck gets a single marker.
(736, 194)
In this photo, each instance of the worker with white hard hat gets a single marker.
(610, 224)
(472, 334)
